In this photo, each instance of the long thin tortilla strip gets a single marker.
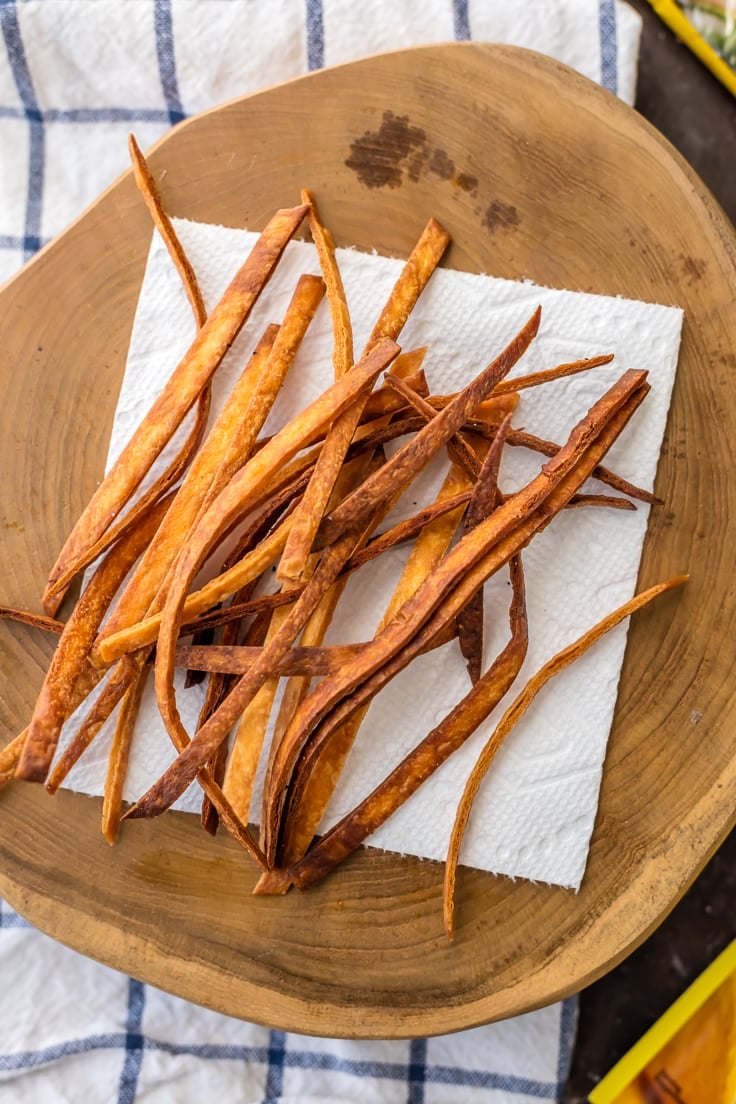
(492, 542)
(470, 620)
(547, 375)
(412, 280)
(181, 391)
(117, 766)
(424, 759)
(417, 452)
(235, 500)
(150, 573)
(35, 620)
(458, 448)
(76, 640)
(406, 778)
(306, 814)
(178, 465)
(236, 659)
(513, 715)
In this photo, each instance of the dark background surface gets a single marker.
(698, 115)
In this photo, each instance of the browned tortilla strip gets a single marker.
(414, 276)
(236, 659)
(307, 810)
(470, 628)
(117, 765)
(181, 391)
(52, 705)
(35, 620)
(474, 558)
(178, 465)
(513, 715)
(458, 447)
(417, 452)
(548, 374)
(424, 759)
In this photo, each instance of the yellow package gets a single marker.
(689, 1056)
(708, 27)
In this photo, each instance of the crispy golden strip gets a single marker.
(534, 379)
(342, 329)
(236, 659)
(513, 715)
(117, 765)
(415, 274)
(147, 187)
(458, 448)
(424, 759)
(35, 620)
(612, 502)
(416, 453)
(184, 386)
(306, 813)
(150, 574)
(470, 627)
(474, 558)
(75, 642)
(178, 465)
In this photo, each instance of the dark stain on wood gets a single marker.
(377, 156)
(500, 216)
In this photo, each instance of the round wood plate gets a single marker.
(536, 173)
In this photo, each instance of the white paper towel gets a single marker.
(535, 813)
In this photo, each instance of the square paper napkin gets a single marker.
(534, 815)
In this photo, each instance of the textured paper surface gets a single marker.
(535, 812)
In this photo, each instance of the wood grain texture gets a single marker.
(536, 173)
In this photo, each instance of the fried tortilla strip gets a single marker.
(414, 276)
(180, 393)
(236, 659)
(477, 555)
(534, 379)
(423, 760)
(416, 453)
(147, 187)
(485, 498)
(117, 765)
(52, 705)
(150, 573)
(513, 715)
(178, 465)
(457, 447)
(35, 620)
(306, 813)
(245, 491)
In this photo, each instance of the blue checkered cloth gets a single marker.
(75, 77)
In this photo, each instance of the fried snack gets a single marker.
(35, 620)
(513, 715)
(236, 659)
(414, 276)
(534, 379)
(458, 448)
(306, 813)
(472, 560)
(417, 452)
(485, 497)
(180, 393)
(178, 465)
(117, 766)
(75, 642)
(424, 759)
(143, 587)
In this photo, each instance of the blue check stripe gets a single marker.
(417, 1071)
(277, 1057)
(609, 44)
(24, 84)
(11, 919)
(134, 1043)
(163, 25)
(315, 35)
(461, 20)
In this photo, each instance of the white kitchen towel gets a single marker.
(535, 812)
(75, 77)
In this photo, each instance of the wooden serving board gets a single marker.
(537, 173)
